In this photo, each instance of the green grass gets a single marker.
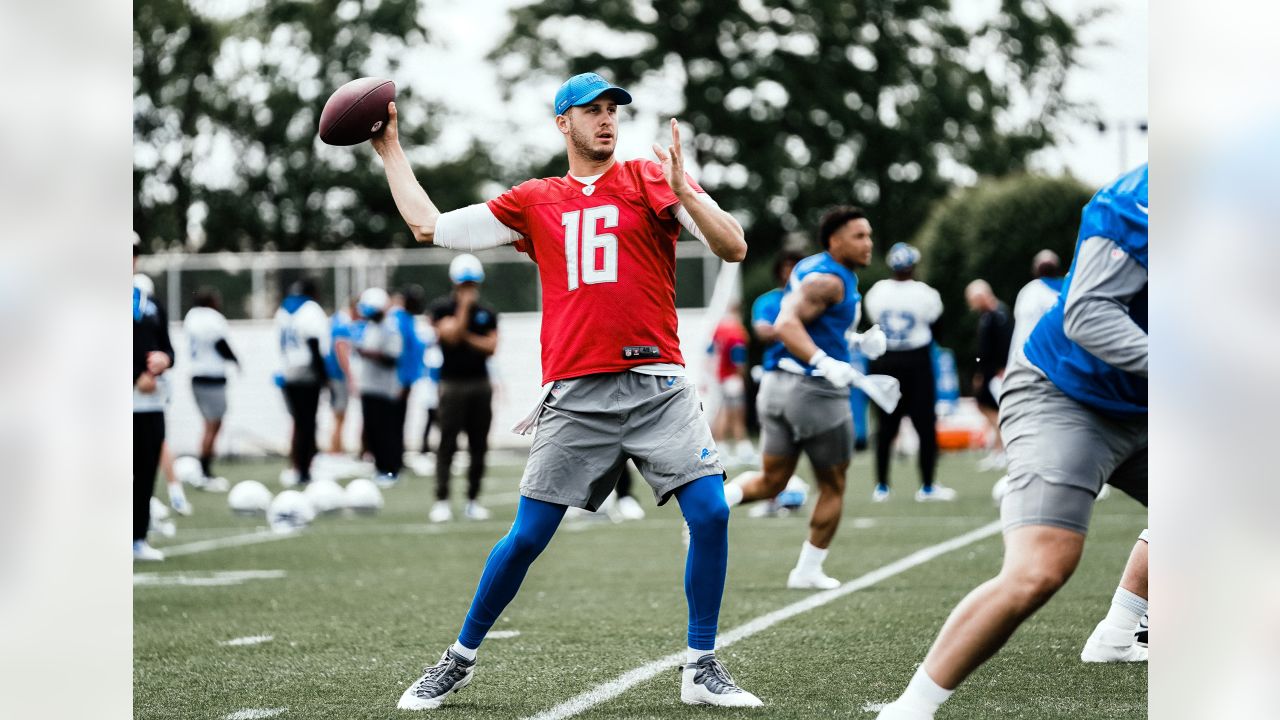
(368, 600)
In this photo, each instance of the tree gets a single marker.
(248, 91)
(799, 105)
(991, 231)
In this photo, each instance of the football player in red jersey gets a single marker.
(603, 237)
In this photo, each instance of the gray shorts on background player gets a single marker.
(588, 426)
(799, 412)
(211, 398)
(339, 395)
(1061, 453)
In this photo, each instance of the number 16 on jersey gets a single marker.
(589, 253)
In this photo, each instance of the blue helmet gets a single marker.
(902, 257)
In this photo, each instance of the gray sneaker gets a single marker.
(439, 681)
(708, 682)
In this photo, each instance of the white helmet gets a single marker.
(363, 496)
(188, 470)
(794, 494)
(373, 301)
(289, 511)
(288, 477)
(249, 497)
(466, 268)
(325, 495)
(145, 284)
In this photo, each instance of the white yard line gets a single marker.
(250, 640)
(254, 713)
(253, 538)
(609, 690)
(221, 578)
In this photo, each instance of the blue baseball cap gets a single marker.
(582, 89)
(902, 256)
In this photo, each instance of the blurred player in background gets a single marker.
(604, 239)
(468, 336)
(177, 496)
(995, 330)
(152, 357)
(206, 329)
(303, 329)
(432, 359)
(1035, 298)
(1074, 416)
(380, 348)
(907, 309)
(343, 334)
(729, 351)
(803, 403)
(407, 304)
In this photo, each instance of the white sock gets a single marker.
(692, 656)
(733, 492)
(1126, 610)
(811, 557)
(923, 693)
(466, 652)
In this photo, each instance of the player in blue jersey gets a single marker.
(1073, 416)
(342, 337)
(765, 309)
(803, 403)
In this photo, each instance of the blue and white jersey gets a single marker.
(204, 327)
(410, 365)
(1109, 270)
(905, 311)
(1034, 300)
(765, 310)
(298, 320)
(828, 329)
(150, 333)
(341, 330)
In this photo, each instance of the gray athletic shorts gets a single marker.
(802, 413)
(211, 399)
(339, 395)
(589, 426)
(1061, 453)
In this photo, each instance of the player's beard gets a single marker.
(582, 145)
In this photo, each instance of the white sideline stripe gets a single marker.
(249, 640)
(254, 713)
(622, 683)
(208, 579)
(502, 634)
(253, 538)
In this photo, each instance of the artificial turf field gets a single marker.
(355, 606)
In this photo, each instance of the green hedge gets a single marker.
(991, 231)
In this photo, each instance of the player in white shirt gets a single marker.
(1035, 298)
(303, 329)
(206, 330)
(906, 310)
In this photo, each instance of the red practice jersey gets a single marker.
(730, 343)
(606, 256)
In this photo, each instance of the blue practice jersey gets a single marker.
(828, 329)
(766, 309)
(1118, 213)
(409, 366)
(340, 330)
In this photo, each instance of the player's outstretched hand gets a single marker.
(672, 160)
(389, 137)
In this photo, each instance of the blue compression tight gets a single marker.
(704, 508)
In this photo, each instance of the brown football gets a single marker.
(356, 111)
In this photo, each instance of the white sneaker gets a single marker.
(475, 511)
(897, 711)
(1112, 645)
(158, 510)
(440, 512)
(450, 675)
(215, 484)
(386, 480)
(811, 580)
(768, 508)
(937, 493)
(1104, 493)
(288, 477)
(178, 500)
(880, 494)
(708, 682)
(629, 509)
(143, 552)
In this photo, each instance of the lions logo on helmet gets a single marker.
(249, 497)
(290, 511)
(902, 257)
(466, 268)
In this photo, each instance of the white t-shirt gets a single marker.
(904, 309)
(294, 329)
(204, 327)
(1034, 300)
